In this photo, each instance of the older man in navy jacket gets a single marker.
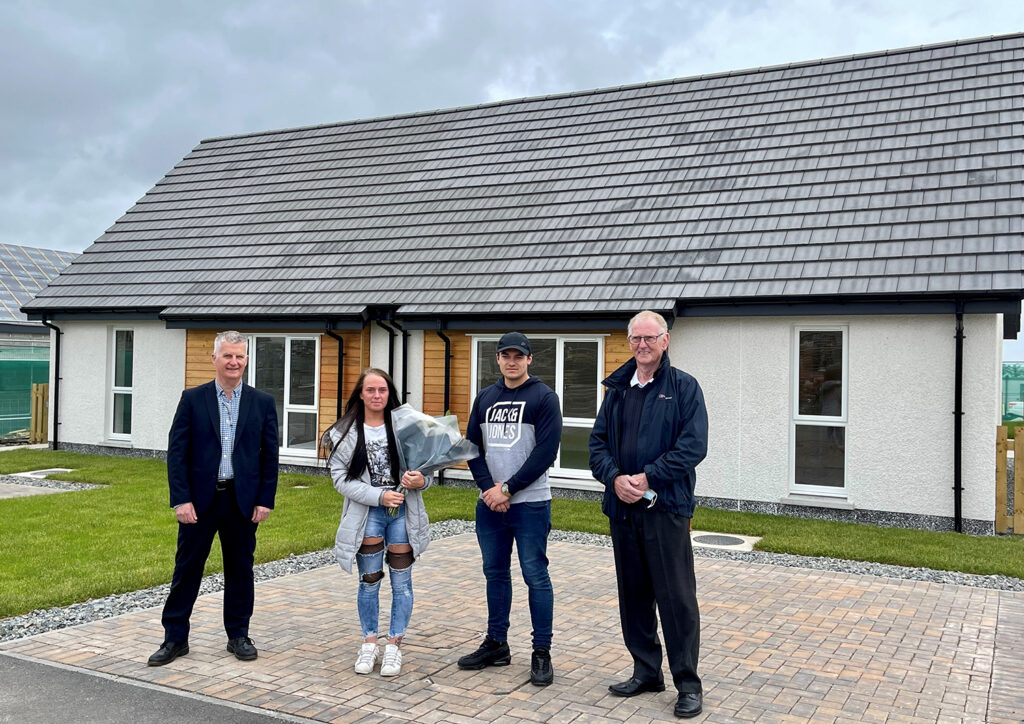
(649, 436)
(222, 469)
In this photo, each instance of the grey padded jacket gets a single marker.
(360, 496)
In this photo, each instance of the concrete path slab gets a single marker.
(779, 645)
(15, 490)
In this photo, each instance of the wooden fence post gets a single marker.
(38, 425)
(1002, 520)
(1018, 482)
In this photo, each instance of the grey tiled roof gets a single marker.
(896, 173)
(24, 270)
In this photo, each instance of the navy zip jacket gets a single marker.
(671, 441)
(518, 430)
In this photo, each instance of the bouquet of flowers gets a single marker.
(427, 443)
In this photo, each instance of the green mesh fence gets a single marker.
(20, 368)
(1013, 391)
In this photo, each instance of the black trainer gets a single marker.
(541, 673)
(490, 653)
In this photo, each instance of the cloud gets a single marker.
(106, 97)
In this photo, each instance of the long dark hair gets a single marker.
(355, 414)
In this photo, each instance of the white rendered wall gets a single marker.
(899, 444)
(379, 343)
(158, 374)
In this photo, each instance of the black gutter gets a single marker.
(341, 356)
(447, 382)
(958, 415)
(56, 383)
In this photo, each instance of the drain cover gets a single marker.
(718, 540)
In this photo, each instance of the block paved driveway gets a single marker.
(779, 645)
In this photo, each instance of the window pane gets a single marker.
(543, 364)
(579, 371)
(270, 374)
(487, 371)
(302, 430)
(302, 385)
(575, 451)
(820, 453)
(122, 413)
(821, 373)
(123, 339)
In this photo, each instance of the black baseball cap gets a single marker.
(516, 341)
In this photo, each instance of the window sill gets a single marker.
(556, 481)
(817, 501)
(120, 442)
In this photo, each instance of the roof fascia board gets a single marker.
(95, 315)
(555, 322)
(820, 308)
(263, 324)
(14, 328)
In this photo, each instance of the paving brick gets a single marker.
(779, 645)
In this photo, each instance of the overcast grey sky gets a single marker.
(100, 99)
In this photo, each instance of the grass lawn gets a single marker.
(62, 548)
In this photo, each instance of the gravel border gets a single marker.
(46, 483)
(43, 620)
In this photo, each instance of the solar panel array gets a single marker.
(895, 173)
(25, 270)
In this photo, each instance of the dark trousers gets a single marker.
(528, 525)
(654, 567)
(238, 545)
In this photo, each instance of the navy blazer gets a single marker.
(193, 449)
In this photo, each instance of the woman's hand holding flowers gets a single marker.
(392, 499)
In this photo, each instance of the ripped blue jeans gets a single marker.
(392, 529)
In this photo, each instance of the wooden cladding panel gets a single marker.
(433, 376)
(616, 351)
(198, 351)
(352, 367)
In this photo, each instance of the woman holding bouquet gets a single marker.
(383, 518)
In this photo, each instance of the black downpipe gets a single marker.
(405, 359)
(447, 384)
(56, 384)
(341, 357)
(958, 415)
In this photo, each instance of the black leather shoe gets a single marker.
(541, 673)
(632, 687)
(688, 705)
(243, 649)
(168, 652)
(490, 653)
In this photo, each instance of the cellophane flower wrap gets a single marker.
(427, 443)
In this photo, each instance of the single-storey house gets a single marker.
(837, 244)
(24, 344)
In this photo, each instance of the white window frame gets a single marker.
(119, 390)
(558, 387)
(840, 421)
(288, 407)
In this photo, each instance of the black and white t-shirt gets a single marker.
(377, 456)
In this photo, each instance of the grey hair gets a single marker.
(648, 314)
(230, 337)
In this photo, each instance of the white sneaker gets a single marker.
(368, 654)
(392, 663)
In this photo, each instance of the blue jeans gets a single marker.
(528, 524)
(392, 529)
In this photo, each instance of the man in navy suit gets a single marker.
(222, 470)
